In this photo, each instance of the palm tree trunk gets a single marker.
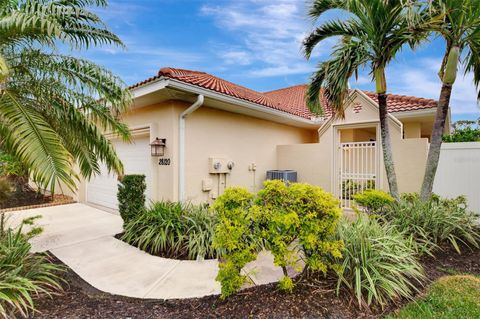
(436, 141)
(387, 146)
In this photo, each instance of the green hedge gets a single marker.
(131, 196)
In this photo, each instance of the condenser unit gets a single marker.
(287, 175)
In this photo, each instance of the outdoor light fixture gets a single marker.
(158, 146)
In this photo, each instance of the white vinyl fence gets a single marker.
(459, 172)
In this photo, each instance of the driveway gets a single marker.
(82, 237)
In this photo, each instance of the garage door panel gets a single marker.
(136, 159)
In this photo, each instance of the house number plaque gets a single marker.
(164, 161)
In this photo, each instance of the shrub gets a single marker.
(282, 218)
(373, 201)
(131, 196)
(350, 187)
(5, 189)
(23, 275)
(435, 221)
(464, 131)
(173, 230)
(14, 171)
(379, 264)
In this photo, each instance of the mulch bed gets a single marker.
(25, 198)
(80, 300)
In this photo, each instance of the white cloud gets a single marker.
(282, 70)
(269, 34)
(236, 57)
(419, 78)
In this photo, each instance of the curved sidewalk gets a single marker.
(82, 237)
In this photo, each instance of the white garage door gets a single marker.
(136, 159)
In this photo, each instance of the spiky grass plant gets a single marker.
(23, 275)
(435, 222)
(378, 265)
(173, 230)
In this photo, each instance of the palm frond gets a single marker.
(331, 80)
(34, 142)
(327, 30)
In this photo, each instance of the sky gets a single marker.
(255, 43)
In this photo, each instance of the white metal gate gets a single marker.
(357, 171)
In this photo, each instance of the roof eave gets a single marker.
(415, 113)
(166, 82)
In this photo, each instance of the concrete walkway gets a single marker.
(83, 238)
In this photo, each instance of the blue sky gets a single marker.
(255, 43)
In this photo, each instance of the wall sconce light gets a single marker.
(158, 146)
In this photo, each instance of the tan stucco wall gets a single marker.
(247, 140)
(239, 138)
(412, 129)
(410, 157)
(209, 133)
(315, 163)
(154, 121)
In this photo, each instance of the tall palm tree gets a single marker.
(460, 29)
(371, 35)
(54, 107)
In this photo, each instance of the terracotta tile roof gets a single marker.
(400, 103)
(289, 100)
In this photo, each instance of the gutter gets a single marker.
(181, 145)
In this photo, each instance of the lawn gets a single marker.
(450, 297)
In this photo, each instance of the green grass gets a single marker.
(451, 297)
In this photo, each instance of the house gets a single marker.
(219, 134)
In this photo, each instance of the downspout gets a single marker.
(181, 146)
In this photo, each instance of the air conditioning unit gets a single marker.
(286, 175)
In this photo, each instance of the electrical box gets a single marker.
(217, 165)
(207, 184)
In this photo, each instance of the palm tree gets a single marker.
(54, 107)
(371, 35)
(461, 31)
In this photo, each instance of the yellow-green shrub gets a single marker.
(275, 218)
(373, 201)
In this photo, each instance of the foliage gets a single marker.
(234, 237)
(54, 107)
(370, 35)
(373, 201)
(459, 28)
(11, 166)
(435, 222)
(5, 189)
(173, 230)
(289, 220)
(452, 297)
(464, 131)
(23, 275)
(15, 171)
(131, 196)
(379, 264)
(350, 187)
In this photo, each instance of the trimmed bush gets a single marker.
(373, 201)
(5, 189)
(435, 222)
(131, 196)
(23, 275)
(289, 220)
(173, 230)
(378, 265)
